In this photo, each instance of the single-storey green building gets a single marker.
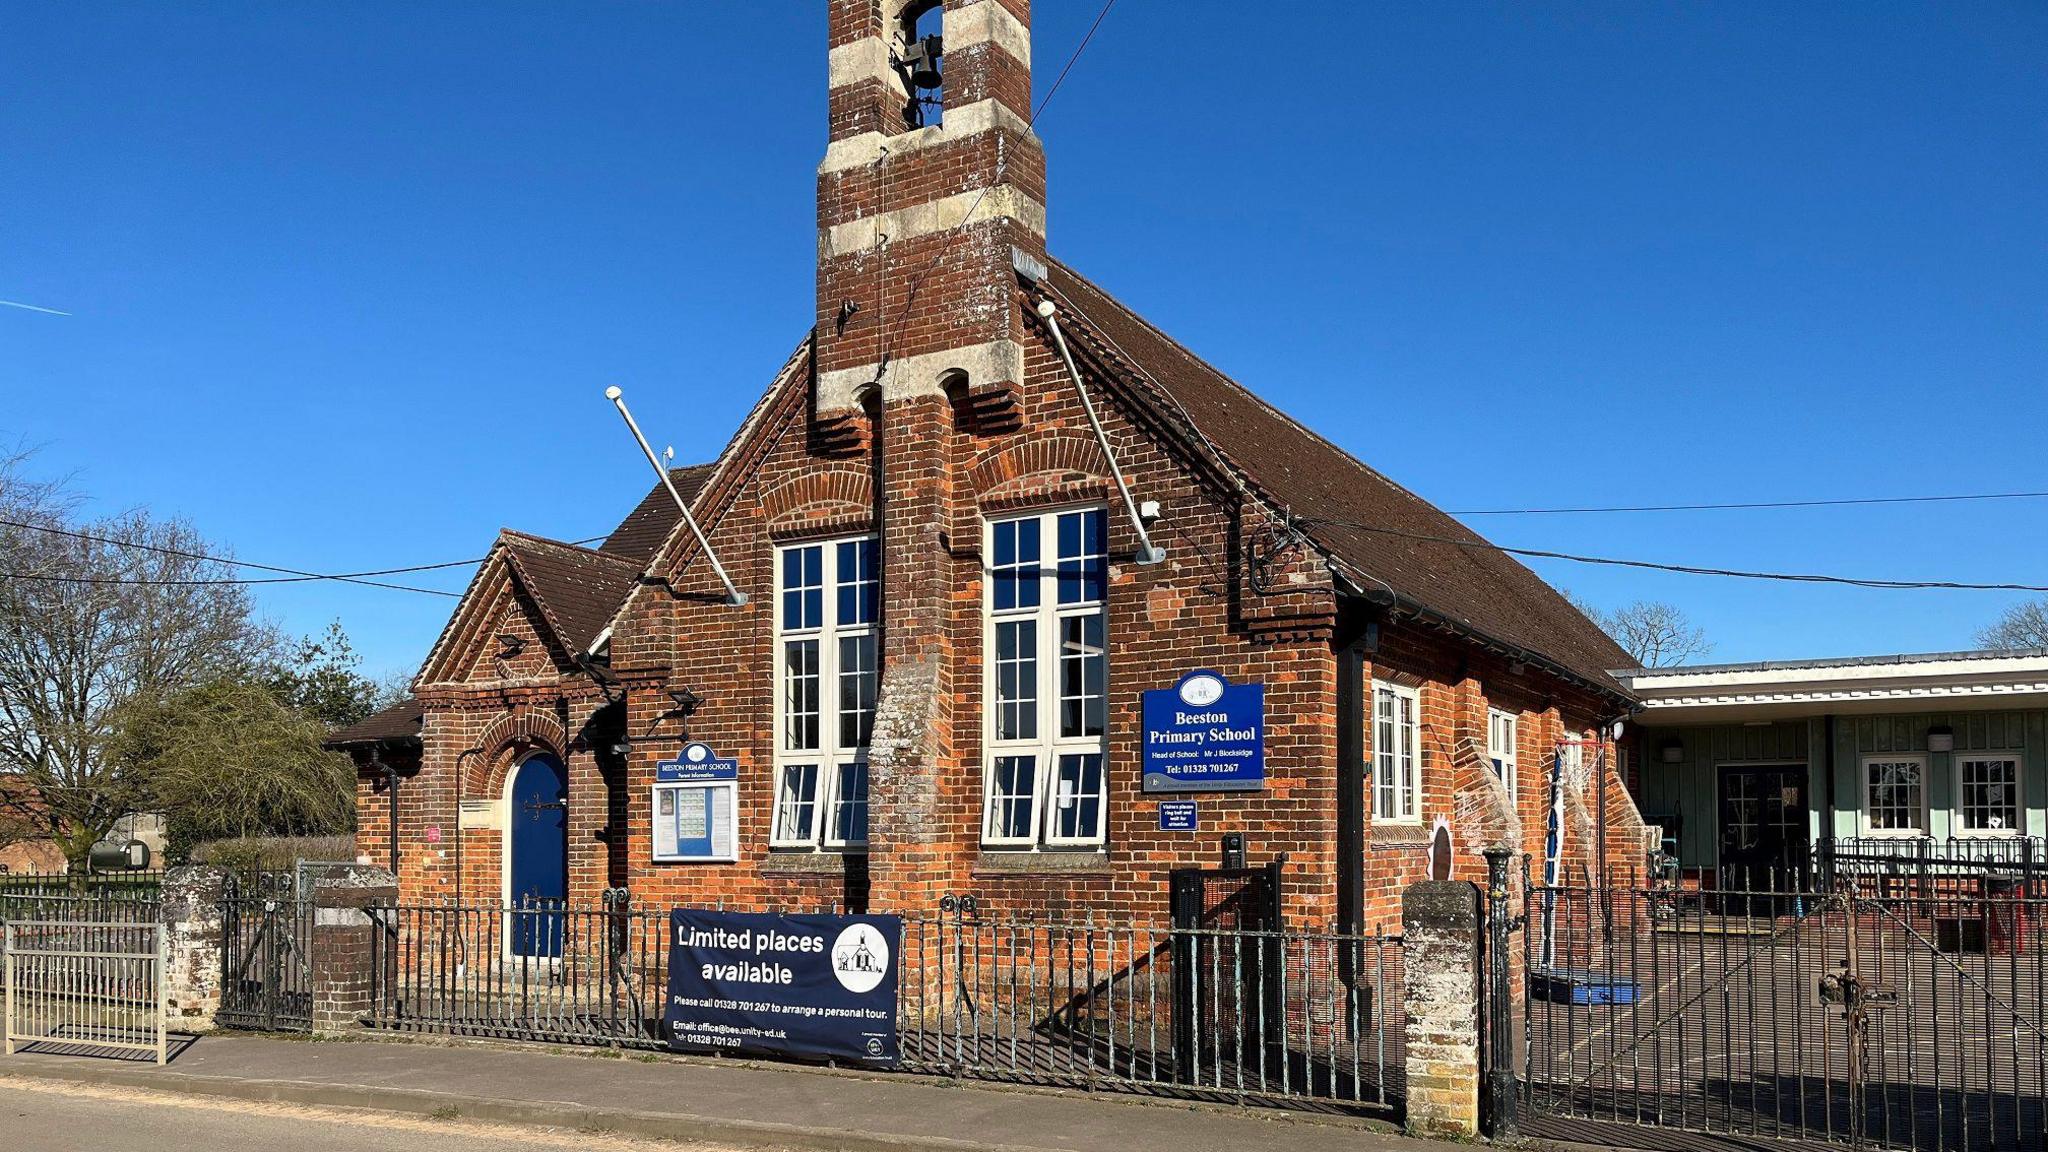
(1749, 767)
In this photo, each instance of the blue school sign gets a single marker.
(802, 985)
(1179, 816)
(698, 763)
(1205, 734)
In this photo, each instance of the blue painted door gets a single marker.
(540, 856)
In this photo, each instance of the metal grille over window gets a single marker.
(829, 669)
(1045, 780)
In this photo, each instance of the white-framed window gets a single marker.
(1046, 679)
(1396, 753)
(1895, 794)
(827, 671)
(1988, 794)
(1500, 745)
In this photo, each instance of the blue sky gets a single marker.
(346, 281)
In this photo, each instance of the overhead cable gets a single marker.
(288, 575)
(1685, 569)
(1841, 503)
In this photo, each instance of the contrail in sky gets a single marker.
(32, 307)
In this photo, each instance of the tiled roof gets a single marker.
(577, 589)
(401, 721)
(640, 534)
(1330, 494)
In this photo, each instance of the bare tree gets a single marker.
(95, 620)
(1655, 634)
(2020, 626)
(393, 687)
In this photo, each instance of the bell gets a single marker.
(923, 59)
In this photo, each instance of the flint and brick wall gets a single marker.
(190, 907)
(1440, 923)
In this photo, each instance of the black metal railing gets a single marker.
(1928, 869)
(1956, 865)
(137, 884)
(1302, 1017)
(534, 972)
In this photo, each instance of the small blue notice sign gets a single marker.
(1205, 734)
(1178, 816)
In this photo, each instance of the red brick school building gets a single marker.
(976, 516)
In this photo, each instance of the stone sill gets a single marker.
(811, 863)
(1040, 863)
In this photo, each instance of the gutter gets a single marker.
(1394, 602)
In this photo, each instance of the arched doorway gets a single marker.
(537, 876)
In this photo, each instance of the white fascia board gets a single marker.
(1930, 675)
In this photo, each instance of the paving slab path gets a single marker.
(734, 1103)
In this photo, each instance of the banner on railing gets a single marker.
(803, 985)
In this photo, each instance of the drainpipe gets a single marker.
(456, 824)
(391, 786)
(1351, 787)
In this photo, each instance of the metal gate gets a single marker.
(266, 959)
(1862, 1015)
(87, 987)
(1227, 926)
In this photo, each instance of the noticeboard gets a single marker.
(695, 812)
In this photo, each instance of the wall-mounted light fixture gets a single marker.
(1941, 738)
(510, 644)
(686, 701)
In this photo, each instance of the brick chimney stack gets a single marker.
(894, 198)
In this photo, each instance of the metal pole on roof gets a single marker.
(1148, 552)
(733, 595)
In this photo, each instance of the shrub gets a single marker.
(248, 855)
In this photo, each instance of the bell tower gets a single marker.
(931, 184)
(931, 178)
